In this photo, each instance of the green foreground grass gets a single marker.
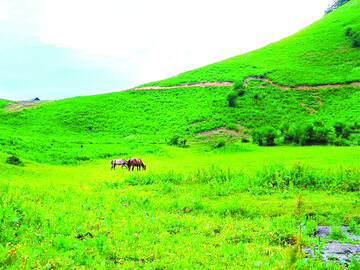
(187, 210)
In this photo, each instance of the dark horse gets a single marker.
(115, 162)
(135, 162)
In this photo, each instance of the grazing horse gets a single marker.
(115, 162)
(135, 162)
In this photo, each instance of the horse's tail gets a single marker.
(128, 164)
(112, 164)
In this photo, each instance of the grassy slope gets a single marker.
(196, 216)
(319, 54)
(122, 122)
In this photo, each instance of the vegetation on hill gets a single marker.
(84, 128)
(335, 5)
(318, 54)
(212, 205)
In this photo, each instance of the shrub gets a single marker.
(342, 130)
(354, 226)
(220, 143)
(178, 141)
(238, 85)
(14, 161)
(231, 98)
(354, 34)
(314, 133)
(265, 136)
(311, 227)
(174, 140)
(336, 233)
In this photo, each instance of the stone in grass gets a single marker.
(339, 249)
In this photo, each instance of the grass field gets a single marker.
(189, 209)
(210, 198)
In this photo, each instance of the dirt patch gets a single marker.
(236, 133)
(334, 250)
(246, 81)
(201, 84)
(21, 105)
(301, 87)
(311, 109)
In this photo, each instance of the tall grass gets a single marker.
(207, 219)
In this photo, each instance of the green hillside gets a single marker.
(319, 54)
(114, 123)
(209, 197)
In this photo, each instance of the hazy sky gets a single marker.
(57, 49)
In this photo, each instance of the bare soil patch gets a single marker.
(236, 133)
(202, 84)
(20, 105)
(246, 81)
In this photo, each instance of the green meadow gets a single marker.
(191, 208)
(237, 176)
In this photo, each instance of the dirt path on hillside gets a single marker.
(186, 85)
(283, 87)
(21, 105)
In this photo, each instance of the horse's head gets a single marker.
(143, 166)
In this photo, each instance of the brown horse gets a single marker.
(115, 162)
(135, 162)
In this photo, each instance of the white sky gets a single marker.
(57, 49)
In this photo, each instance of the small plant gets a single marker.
(178, 141)
(14, 161)
(265, 136)
(320, 244)
(354, 226)
(231, 98)
(354, 34)
(220, 143)
(174, 140)
(336, 233)
(311, 227)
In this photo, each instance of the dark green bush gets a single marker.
(174, 140)
(14, 161)
(309, 134)
(342, 130)
(178, 141)
(238, 85)
(354, 34)
(231, 98)
(220, 143)
(265, 136)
